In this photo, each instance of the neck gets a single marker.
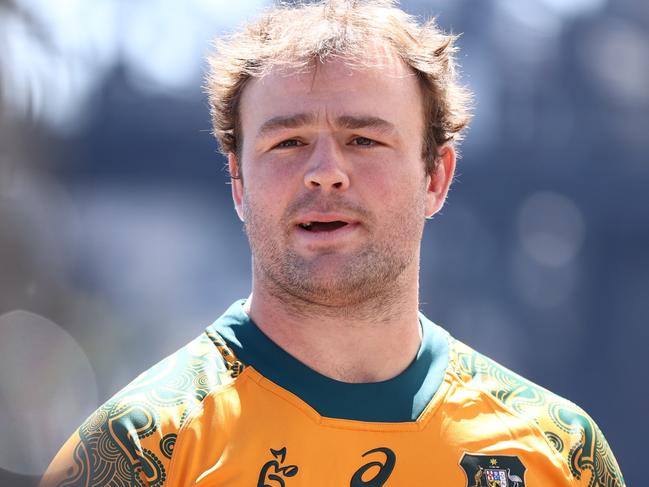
(350, 343)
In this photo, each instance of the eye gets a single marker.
(364, 141)
(289, 143)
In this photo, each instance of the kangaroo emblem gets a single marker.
(477, 478)
(278, 473)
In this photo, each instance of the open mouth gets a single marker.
(322, 226)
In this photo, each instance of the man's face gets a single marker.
(334, 191)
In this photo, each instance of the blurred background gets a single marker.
(118, 243)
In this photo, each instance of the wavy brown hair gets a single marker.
(297, 35)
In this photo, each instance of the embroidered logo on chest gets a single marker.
(493, 470)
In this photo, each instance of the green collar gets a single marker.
(399, 399)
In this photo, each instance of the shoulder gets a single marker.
(130, 439)
(569, 429)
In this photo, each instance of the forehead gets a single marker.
(381, 86)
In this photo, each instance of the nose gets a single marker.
(326, 168)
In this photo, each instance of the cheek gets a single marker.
(265, 198)
(271, 185)
(390, 185)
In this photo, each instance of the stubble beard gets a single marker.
(367, 279)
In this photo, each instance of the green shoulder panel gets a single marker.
(129, 441)
(568, 428)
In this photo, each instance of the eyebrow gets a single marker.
(359, 122)
(345, 121)
(286, 122)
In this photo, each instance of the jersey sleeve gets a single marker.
(130, 439)
(587, 452)
(569, 429)
(127, 441)
(111, 448)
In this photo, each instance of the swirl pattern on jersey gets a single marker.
(129, 441)
(572, 433)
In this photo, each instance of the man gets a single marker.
(339, 120)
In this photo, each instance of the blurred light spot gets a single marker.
(616, 53)
(532, 14)
(528, 37)
(550, 229)
(574, 7)
(161, 50)
(48, 387)
(50, 78)
(164, 51)
(162, 44)
(541, 286)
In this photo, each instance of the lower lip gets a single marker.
(332, 236)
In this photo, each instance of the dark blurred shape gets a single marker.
(10, 479)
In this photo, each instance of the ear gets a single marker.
(440, 181)
(236, 184)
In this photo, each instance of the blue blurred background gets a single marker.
(118, 242)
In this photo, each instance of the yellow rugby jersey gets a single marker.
(233, 409)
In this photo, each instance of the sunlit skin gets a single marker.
(338, 144)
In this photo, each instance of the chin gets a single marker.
(336, 289)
